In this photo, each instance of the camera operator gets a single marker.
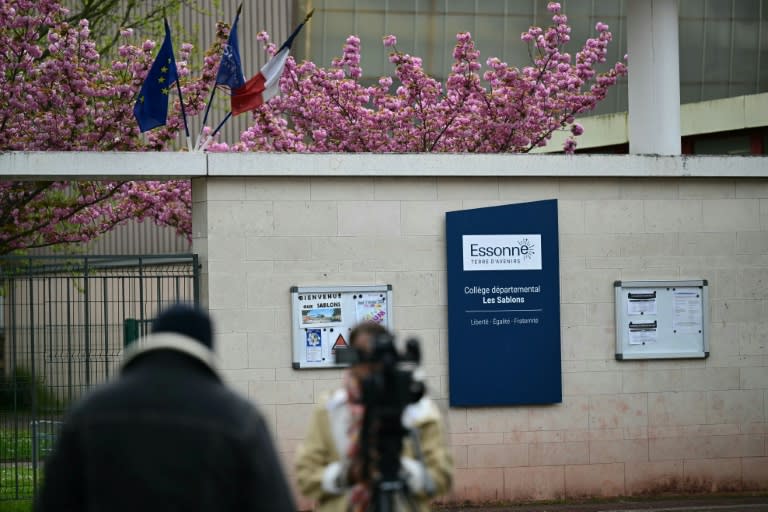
(331, 467)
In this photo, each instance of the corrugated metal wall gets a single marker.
(140, 238)
(133, 238)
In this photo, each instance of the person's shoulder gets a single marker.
(102, 396)
(100, 401)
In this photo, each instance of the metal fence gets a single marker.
(64, 323)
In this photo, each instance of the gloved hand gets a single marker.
(335, 477)
(416, 476)
(340, 475)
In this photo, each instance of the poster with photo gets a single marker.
(320, 316)
(320, 309)
(314, 345)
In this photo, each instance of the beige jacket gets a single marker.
(319, 464)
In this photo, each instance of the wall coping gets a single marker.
(163, 165)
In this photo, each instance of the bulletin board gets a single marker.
(662, 319)
(323, 316)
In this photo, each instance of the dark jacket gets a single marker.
(168, 435)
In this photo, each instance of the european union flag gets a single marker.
(231, 69)
(151, 109)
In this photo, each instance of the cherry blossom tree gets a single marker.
(56, 94)
(507, 109)
(38, 214)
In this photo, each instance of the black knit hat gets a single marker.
(188, 320)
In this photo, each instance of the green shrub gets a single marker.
(18, 390)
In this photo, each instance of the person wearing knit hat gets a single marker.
(190, 321)
(166, 434)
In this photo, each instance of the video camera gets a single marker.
(391, 386)
(387, 390)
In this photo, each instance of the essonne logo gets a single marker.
(502, 252)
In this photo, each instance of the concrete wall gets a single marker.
(623, 428)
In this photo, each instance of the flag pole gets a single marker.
(289, 41)
(205, 116)
(213, 91)
(214, 132)
(181, 102)
(184, 116)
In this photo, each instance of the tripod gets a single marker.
(386, 392)
(389, 492)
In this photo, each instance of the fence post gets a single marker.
(130, 331)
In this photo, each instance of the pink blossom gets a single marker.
(70, 100)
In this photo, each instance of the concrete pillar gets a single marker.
(200, 233)
(654, 77)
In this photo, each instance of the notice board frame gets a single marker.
(662, 319)
(350, 300)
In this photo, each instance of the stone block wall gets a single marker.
(623, 428)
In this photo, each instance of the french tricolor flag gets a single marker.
(266, 83)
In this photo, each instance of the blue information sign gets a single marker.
(504, 305)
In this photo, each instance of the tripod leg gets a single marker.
(383, 501)
(387, 502)
(410, 503)
(393, 501)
